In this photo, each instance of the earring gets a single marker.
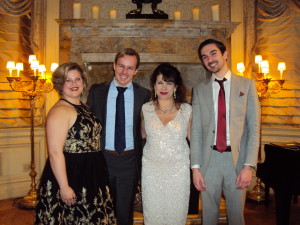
(155, 95)
(174, 94)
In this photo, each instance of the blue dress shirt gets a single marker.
(111, 116)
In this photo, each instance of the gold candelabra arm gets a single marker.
(266, 87)
(37, 88)
(15, 84)
(262, 88)
(44, 86)
(276, 86)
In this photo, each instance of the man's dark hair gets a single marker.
(219, 45)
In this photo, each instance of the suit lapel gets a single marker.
(104, 100)
(208, 94)
(136, 104)
(235, 88)
(234, 94)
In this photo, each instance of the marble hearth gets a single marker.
(94, 44)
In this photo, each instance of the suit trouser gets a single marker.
(122, 181)
(221, 176)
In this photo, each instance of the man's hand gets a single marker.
(244, 177)
(198, 180)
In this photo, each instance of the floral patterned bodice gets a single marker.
(84, 135)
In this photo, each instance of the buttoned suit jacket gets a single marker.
(97, 101)
(244, 123)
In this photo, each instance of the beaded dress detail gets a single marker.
(87, 176)
(166, 168)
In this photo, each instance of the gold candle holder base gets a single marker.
(27, 202)
(257, 195)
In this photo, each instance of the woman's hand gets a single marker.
(67, 195)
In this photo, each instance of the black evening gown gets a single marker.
(87, 176)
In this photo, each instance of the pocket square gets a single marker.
(241, 94)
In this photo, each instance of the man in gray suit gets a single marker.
(122, 149)
(224, 135)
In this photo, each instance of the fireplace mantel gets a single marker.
(146, 28)
(87, 40)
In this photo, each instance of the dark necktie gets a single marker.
(120, 142)
(221, 130)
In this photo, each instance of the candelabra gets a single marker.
(38, 86)
(265, 87)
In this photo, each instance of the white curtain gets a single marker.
(278, 39)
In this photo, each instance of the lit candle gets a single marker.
(241, 68)
(258, 60)
(19, 67)
(10, 66)
(42, 70)
(53, 66)
(281, 68)
(95, 12)
(34, 65)
(31, 58)
(76, 10)
(177, 15)
(265, 68)
(196, 14)
(113, 14)
(215, 12)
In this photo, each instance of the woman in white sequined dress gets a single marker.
(165, 162)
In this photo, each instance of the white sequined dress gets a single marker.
(165, 168)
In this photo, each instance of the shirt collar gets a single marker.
(115, 84)
(227, 76)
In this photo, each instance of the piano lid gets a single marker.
(295, 146)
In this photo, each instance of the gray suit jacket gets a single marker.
(244, 123)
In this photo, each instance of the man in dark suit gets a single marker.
(224, 135)
(122, 148)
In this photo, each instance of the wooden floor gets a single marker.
(254, 214)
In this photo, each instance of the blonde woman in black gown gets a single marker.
(73, 188)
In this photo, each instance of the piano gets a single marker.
(281, 172)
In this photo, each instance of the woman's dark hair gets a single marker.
(59, 76)
(169, 74)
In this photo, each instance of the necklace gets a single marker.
(166, 110)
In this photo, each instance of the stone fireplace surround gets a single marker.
(95, 43)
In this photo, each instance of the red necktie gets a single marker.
(221, 131)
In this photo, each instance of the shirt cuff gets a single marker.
(248, 164)
(196, 166)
